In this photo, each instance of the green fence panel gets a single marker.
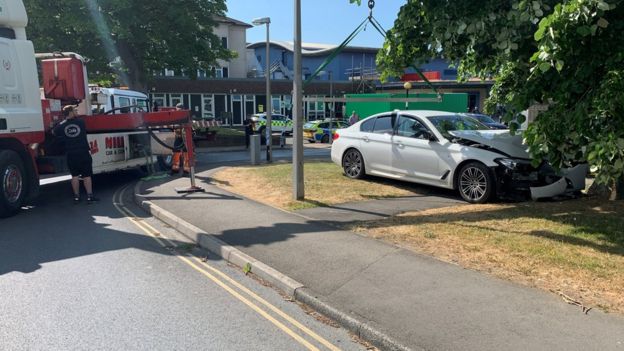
(451, 102)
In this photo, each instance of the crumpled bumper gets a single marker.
(572, 180)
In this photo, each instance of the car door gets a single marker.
(277, 123)
(414, 156)
(376, 146)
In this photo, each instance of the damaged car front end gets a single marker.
(516, 176)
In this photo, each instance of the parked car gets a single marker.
(487, 120)
(451, 151)
(279, 123)
(320, 130)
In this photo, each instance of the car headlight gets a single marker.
(511, 163)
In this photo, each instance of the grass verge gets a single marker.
(324, 183)
(573, 247)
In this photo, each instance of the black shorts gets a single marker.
(80, 163)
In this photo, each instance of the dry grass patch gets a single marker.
(325, 185)
(575, 247)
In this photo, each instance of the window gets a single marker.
(276, 105)
(383, 125)
(444, 124)
(169, 73)
(367, 126)
(323, 125)
(224, 42)
(226, 72)
(176, 99)
(217, 72)
(158, 100)
(208, 107)
(123, 103)
(141, 105)
(411, 128)
(201, 73)
(7, 33)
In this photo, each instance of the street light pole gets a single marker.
(407, 86)
(269, 110)
(298, 188)
(332, 113)
(267, 75)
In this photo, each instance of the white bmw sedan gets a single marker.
(442, 149)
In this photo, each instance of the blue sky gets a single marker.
(323, 21)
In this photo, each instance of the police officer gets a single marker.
(73, 133)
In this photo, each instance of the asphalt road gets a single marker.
(94, 277)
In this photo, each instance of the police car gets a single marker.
(320, 130)
(280, 123)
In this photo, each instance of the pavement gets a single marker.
(390, 296)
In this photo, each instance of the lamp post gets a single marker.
(298, 186)
(267, 75)
(407, 86)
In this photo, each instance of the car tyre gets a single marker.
(353, 164)
(13, 182)
(476, 183)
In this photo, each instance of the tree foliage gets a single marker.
(567, 54)
(129, 40)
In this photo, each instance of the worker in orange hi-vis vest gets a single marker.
(181, 154)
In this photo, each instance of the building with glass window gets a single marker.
(235, 90)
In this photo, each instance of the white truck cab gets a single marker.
(20, 101)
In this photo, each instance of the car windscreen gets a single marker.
(445, 124)
(483, 118)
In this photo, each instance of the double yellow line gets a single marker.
(228, 284)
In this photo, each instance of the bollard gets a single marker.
(254, 148)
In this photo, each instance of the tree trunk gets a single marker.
(135, 78)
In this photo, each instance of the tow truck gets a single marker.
(28, 113)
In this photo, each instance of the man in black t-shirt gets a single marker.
(73, 133)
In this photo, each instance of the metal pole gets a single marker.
(298, 188)
(332, 113)
(269, 128)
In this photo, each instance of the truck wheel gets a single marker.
(12, 183)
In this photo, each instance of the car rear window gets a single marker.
(383, 125)
(324, 125)
(367, 126)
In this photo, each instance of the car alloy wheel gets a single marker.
(476, 184)
(353, 164)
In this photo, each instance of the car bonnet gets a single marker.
(499, 140)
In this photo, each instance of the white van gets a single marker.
(116, 101)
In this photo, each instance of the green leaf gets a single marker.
(583, 30)
(544, 67)
(603, 6)
(559, 65)
(603, 23)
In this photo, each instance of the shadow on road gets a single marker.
(55, 229)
